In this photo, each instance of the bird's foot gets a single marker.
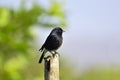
(56, 53)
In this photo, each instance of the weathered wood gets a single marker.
(51, 67)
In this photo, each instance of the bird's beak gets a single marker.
(63, 31)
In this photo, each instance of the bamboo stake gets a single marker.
(51, 67)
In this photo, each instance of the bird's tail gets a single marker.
(42, 56)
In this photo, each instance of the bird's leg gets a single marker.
(51, 52)
(55, 52)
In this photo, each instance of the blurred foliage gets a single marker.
(105, 73)
(16, 38)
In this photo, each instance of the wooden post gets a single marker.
(51, 67)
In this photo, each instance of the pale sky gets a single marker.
(93, 34)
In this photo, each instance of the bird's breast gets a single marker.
(54, 43)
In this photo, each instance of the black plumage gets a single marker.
(52, 43)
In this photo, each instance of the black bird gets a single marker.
(52, 43)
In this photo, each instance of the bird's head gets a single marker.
(58, 30)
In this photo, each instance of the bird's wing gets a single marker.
(50, 39)
(47, 42)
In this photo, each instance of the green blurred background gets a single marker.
(19, 52)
